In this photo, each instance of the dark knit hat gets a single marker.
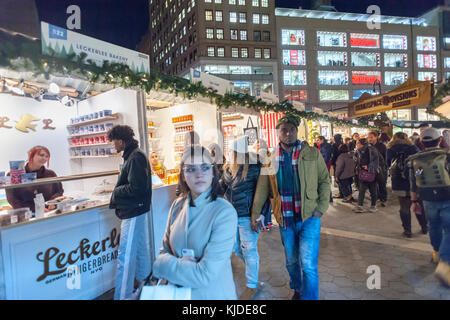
(288, 118)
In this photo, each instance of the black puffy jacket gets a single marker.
(398, 183)
(240, 192)
(132, 195)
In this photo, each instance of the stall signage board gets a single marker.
(267, 97)
(68, 257)
(411, 93)
(65, 42)
(221, 85)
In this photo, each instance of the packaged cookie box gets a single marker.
(13, 216)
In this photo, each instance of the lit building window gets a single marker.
(208, 1)
(233, 17)
(447, 63)
(293, 37)
(426, 44)
(426, 61)
(295, 95)
(244, 52)
(358, 93)
(395, 42)
(331, 58)
(422, 115)
(264, 3)
(255, 3)
(333, 78)
(218, 1)
(361, 40)
(233, 34)
(240, 70)
(331, 39)
(242, 2)
(209, 33)
(219, 34)
(256, 18)
(395, 60)
(294, 57)
(242, 17)
(266, 53)
(210, 51)
(365, 77)
(333, 95)
(234, 52)
(219, 15)
(232, 1)
(208, 15)
(221, 52)
(365, 59)
(392, 78)
(258, 53)
(427, 76)
(265, 19)
(294, 77)
(243, 34)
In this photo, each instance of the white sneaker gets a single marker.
(373, 209)
(358, 209)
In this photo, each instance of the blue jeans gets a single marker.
(246, 248)
(301, 247)
(438, 215)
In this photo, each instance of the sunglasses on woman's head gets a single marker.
(204, 167)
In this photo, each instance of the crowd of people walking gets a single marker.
(221, 208)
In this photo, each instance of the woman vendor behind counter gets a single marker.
(157, 167)
(38, 156)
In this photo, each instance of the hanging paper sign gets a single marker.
(267, 97)
(355, 121)
(371, 123)
(298, 106)
(209, 81)
(317, 110)
(340, 117)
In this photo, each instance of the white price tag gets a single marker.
(14, 219)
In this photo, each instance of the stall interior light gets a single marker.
(67, 101)
(53, 88)
(16, 89)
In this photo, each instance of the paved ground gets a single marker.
(350, 243)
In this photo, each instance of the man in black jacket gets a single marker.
(382, 173)
(131, 199)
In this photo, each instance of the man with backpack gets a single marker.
(430, 181)
(399, 149)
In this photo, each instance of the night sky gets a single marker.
(124, 22)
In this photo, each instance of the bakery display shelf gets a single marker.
(93, 157)
(88, 134)
(115, 116)
(91, 145)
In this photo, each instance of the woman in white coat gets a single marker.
(205, 225)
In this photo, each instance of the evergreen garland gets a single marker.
(21, 54)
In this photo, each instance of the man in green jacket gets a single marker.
(298, 185)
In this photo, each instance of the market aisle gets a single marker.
(349, 244)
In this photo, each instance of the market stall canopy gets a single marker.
(411, 93)
(416, 124)
(444, 108)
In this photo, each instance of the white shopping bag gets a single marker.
(165, 292)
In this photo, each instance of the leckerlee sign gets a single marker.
(64, 42)
(411, 93)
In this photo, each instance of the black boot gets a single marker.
(421, 218)
(406, 223)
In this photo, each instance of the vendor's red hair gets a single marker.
(37, 149)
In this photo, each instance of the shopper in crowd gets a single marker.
(240, 176)
(418, 141)
(38, 157)
(347, 142)
(190, 138)
(382, 172)
(298, 185)
(131, 200)
(355, 138)
(157, 166)
(399, 149)
(200, 232)
(445, 141)
(384, 138)
(338, 142)
(367, 165)
(264, 156)
(326, 149)
(345, 171)
(430, 182)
